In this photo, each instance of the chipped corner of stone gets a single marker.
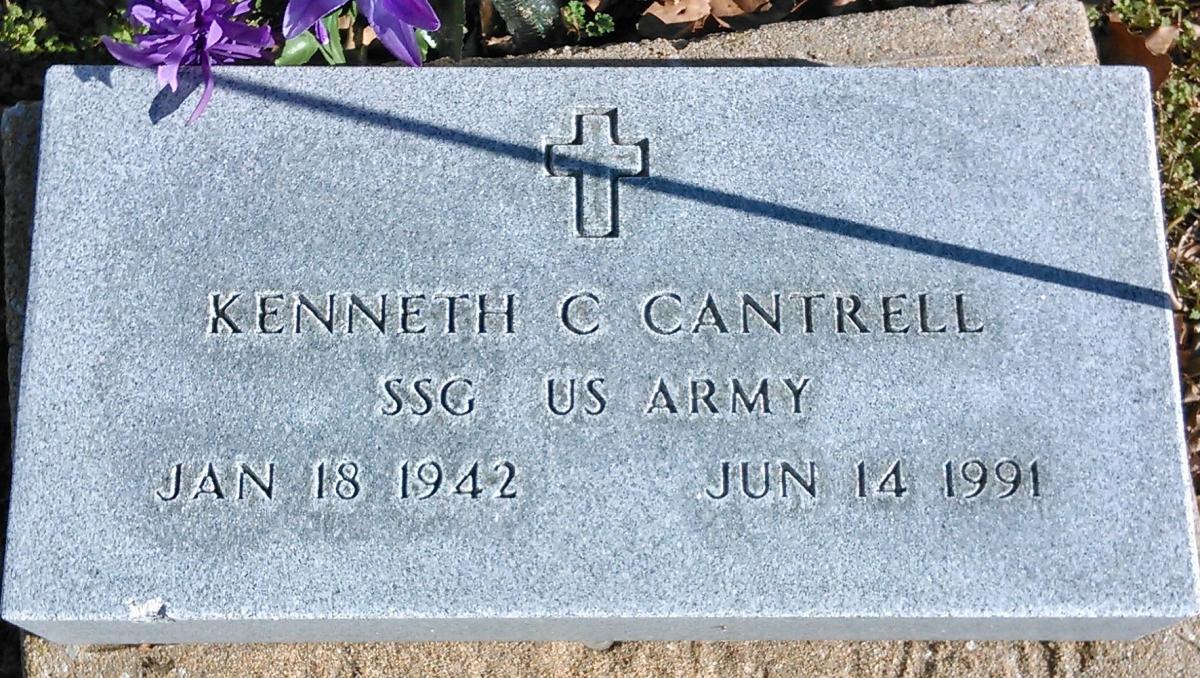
(150, 610)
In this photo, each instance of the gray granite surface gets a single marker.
(995, 191)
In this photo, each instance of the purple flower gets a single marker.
(188, 33)
(393, 21)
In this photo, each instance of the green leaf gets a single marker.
(574, 16)
(602, 25)
(529, 22)
(298, 50)
(425, 42)
(337, 55)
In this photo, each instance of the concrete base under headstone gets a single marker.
(1052, 32)
(1173, 652)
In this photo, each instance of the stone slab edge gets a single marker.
(19, 127)
(19, 138)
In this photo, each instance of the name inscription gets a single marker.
(672, 315)
(667, 314)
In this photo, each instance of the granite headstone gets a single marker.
(596, 354)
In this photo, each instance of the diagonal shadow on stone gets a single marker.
(89, 73)
(167, 101)
(783, 214)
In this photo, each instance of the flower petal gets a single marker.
(396, 35)
(130, 55)
(403, 44)
(168, 72)
(204, 96)
(300, 14)
(413, 12)
(214, 35)
(176, 6)
(146, 15)
(242, 35)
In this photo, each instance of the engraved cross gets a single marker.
(596, 160)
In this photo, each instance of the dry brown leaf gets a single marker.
(839, 7)
(683, 18)
(1159, 40)
(674, 18)
(1119, 45)
(737, 7)
(736, 13)
(680, 11)
(1191, 363)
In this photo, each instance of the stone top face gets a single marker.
(467, 353)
